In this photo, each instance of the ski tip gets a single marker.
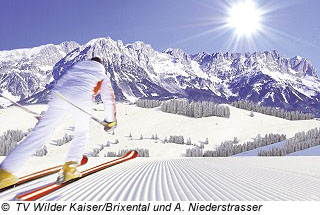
(84, 160)
(132, 154)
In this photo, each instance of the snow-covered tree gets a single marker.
(148, 103)
(300, 141)
(229, 148)
(9, 140)
(273, 111)
(195, 109)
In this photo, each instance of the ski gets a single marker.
(49, 188)
(40, 174)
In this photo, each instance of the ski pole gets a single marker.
(92, 117)
(20, 106)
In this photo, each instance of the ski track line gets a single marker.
(144, 191)
(187, 166)
(165, 182)
(156, 182)
(112, 180)
(104, 177)
(293, 185)
(228, 187)
(273, 168)
(151, 193)
(267, 191)
(120, 183)
(138, 190)
(107, 178)
(172, 189)
(235, 183)
(177, 187)
(95, 180)
(239, 182)
(274, 184)
(204, 190)
(218, 195)
(196, 189)
(219, 184)
(124, 193)
(200, 179)
(310, 178)
(219, 192)
(144, 173)
(185, 189)
(201, 190)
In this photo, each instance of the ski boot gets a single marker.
(7, 179)
(68, 172)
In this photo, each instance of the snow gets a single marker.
(284, 97)
(191, 179)
(148, 122)
(167, 175)
(308, 85)
(255, 152)
(313, 151)
(297, 95)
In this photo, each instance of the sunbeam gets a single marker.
(245, 24)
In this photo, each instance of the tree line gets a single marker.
(195, 109)
(272, 111)
(300, 141)
(141, 153)
(229, 148)
(148, 103)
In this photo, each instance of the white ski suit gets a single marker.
(79, 85)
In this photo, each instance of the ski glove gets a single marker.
(109, 126)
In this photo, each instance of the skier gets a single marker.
(79, 85)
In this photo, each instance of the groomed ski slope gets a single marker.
(233, 178)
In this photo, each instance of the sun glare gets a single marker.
(244, 25)
(244, 18)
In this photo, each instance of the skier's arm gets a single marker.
(108, 99)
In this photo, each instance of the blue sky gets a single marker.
(187, 24)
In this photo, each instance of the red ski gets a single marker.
(49, 188)
(41, 174)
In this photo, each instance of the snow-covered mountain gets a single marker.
(266, 78)
(24, 72)
(137, 70)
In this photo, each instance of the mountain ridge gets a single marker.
(137, 70)
(25, 72)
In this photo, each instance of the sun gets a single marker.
(245, 18)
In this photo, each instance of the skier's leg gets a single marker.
(81, 136)
(36, 139)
